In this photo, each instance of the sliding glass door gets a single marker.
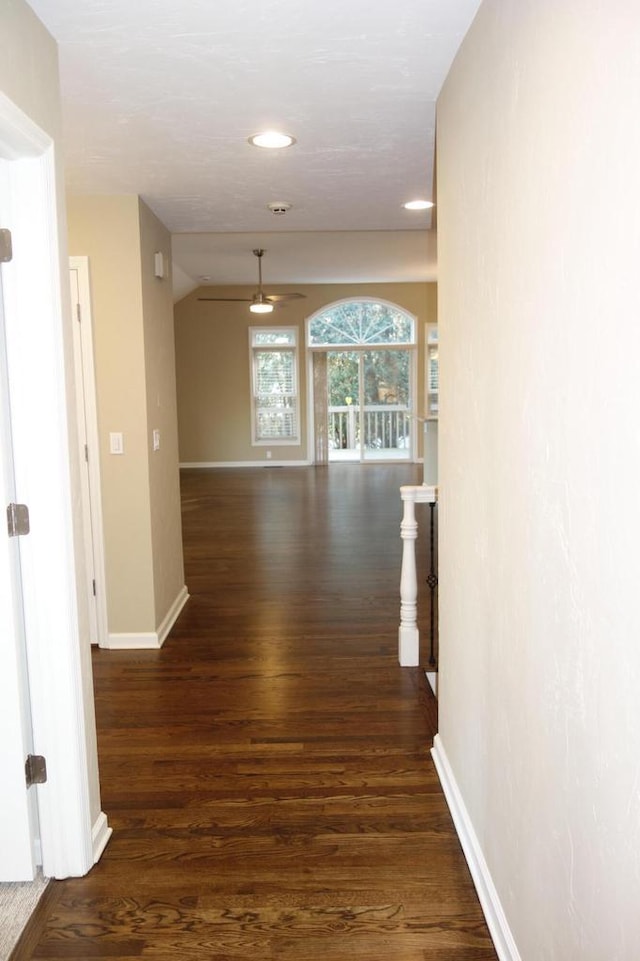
(369, 400)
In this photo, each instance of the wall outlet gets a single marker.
(268, 455)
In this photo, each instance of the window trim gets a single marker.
(254, 350)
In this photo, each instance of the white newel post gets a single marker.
(408, 633)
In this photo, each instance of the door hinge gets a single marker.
(17, 520)
(6, 246)
(35, 769)
(86, 453)
(93, 583)
(78, 314)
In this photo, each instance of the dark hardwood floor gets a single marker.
(267, 773)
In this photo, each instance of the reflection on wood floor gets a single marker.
(267, 773)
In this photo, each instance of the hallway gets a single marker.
(267, 773)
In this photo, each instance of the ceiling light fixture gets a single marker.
(272, 139)
(260, 302)
(418, 205)
(260, 305)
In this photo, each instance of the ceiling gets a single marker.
(160, 97)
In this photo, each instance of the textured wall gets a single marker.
(539, 301)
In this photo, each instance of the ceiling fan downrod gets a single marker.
(260, 304)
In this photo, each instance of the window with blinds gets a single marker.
(274, 385)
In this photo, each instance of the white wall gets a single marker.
(539, 312)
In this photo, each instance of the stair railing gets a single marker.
(408, 633)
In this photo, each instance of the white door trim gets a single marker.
(46, 470)
(19, 830)
(88, 416)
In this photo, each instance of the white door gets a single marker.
(18, 811)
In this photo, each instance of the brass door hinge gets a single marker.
(17, 520)
(6, 246)
(35, 769)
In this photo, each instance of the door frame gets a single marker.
(19, 828)
(88, 437)
(73, 830)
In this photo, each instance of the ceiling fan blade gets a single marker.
(276, 298)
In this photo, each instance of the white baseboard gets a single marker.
(133, 642)
(172, 615)
(151, 640)
(490, 902)
(246, 463)
(100, 834)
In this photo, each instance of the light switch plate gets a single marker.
(156, 439)
(116, 442)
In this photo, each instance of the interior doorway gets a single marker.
(72, 829)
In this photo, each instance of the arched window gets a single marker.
(362, 361)
(363, 322)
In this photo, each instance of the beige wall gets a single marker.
(160, 370)
(213, 371)
(29, 66)
(106, 229)
(135, 386)
(539, 302)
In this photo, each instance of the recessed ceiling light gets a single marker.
(272, 139)
(418, 205)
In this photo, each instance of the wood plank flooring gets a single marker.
(267, 773)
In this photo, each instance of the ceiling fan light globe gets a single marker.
(260, 307)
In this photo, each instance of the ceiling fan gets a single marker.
(260, 303)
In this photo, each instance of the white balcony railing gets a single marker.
(385, 427)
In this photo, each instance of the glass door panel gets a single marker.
(369, 402)
(386, 429)
(343, 389)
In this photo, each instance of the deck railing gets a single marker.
(385, 426)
